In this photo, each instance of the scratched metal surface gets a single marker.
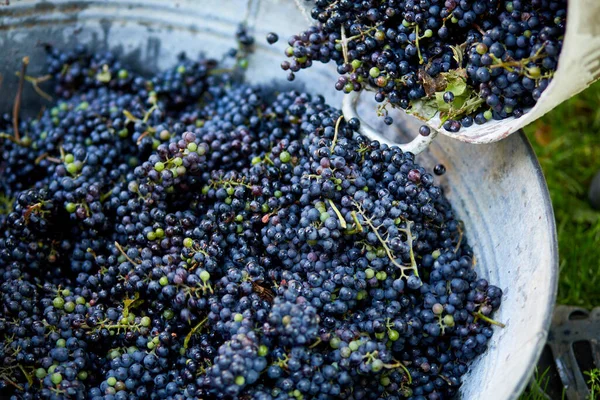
(497, 189)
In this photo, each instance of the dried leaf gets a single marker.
(431, 84)
(543, 134)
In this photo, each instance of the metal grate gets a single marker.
(573, 347)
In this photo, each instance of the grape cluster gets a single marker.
(191, 236)
(471, 60)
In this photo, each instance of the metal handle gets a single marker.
(415, 146)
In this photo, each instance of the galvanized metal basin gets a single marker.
(498, 189)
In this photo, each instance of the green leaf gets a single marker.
(104, 76)
(424, 109)
(456, 82)
(131, 303)
(459, 53)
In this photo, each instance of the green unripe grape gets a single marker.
(535, 72)
(428, 33)
(52, 368)
(164, 135)
(168, 314)
(374, 72)
(385, 381)
(393, 335)
(69, 158)
(334, 342)
(369, 273)
(163, 281)
(188, 242)
(324, 216)
(145, 321)
(112, 381)
(380, 36)
(181, 69)
(262, 350)
(58, 302)
(488, 115)
(377, 365)
(356, 64)
(56, 378)
(345, 352)
(240, 380)
(448, 320)
(40, 373)
(354, 345)
(82, 375)
(69, 306)
(243, 63)
(150, 345)
(285, 156)
(205, 276)
(238, 317)
(151, 235)
(481, 48)
(71, 207)
(160, 233)
(72, 168)
(192, 146)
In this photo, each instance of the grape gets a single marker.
(251, 245)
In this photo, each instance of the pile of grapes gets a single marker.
(188, 236)
(469, 60)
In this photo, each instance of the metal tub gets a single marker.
(498, 189)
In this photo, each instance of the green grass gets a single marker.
(567, 143)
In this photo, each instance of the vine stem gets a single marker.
(337, 128)
(489, 320)
(125, 254)
(338, 213)
(17, 105)
(388, 251)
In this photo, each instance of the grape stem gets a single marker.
(388, 251)
(118, 246)
(335, 135)
(479, 315)
(17, 105)
(339, 215)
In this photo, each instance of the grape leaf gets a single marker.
(131, 303)
(424, 109)
(456, 81)
(431, 84)
(459, 53)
